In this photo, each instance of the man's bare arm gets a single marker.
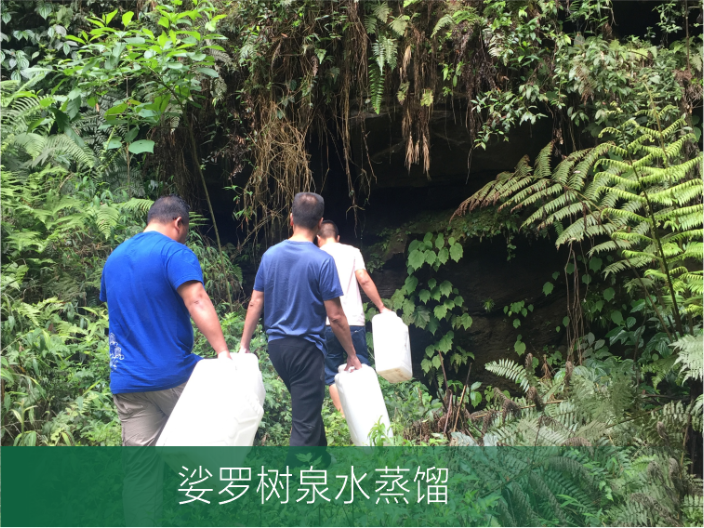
(341, 329)
(367, 284)
(254, 312)
(204, 315)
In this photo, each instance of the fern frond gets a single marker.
(690, 356)
(376, 85)
(137, 204)
(510, 370)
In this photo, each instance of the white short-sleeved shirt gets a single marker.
(348, 260)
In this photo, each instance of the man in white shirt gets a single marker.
(351, 271)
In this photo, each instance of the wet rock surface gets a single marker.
(484, 274)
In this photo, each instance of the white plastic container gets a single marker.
(362, 401)
(392, 348)
(221, 405)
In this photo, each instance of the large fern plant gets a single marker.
(26, 122)
(622, 460)
(58, 226)
(638, 195)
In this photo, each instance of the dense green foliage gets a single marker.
(61, 219)
(106, 106)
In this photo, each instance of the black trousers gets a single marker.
(302, 367)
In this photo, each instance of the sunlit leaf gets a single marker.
(141, 146)
(456, 252)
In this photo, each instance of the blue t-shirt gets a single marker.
(151, 336)
(296, 278)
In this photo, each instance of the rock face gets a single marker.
(450, 145)
(399, 197)
(485, 276)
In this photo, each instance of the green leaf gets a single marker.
(113, 144)
(446, 288)
(555, 275)
(440, 241)
(440, 311)
(456, 252)
(6, 374)
(516, 323)
(586, 278)
(415, 244)
(207, 71)
(408, 307)
(609, 294)
(131, 135)
(443, 255)
(519, 347)
(428, 240)
(465, 320)
(430, 256)
(410, 285)
(63, 122)
(433, 325)
(141, 146)
(565, 321)
(424, 295)
(630, 322)
(109, 17)
(426, 365)
(73, 108)
(416, 259)
(117, 109)
(432, 283)
(595, 264)
(445, 343)
(476, 398)
(422, 316)
(436, 362)
(127, 18)
(427, 98)
(397, 299)
(547, 288)
(616, 317)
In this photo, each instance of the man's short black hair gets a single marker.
(307, 210)
(167, 209)
(329, 230)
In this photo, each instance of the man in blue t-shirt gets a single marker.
(297, 287)
(153, 285)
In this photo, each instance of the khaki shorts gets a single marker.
(144, 414)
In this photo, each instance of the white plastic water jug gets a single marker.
(392, 348)
(221, 405)
(362, 401)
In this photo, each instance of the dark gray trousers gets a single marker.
(302, 367)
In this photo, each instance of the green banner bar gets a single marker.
(270, 486)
